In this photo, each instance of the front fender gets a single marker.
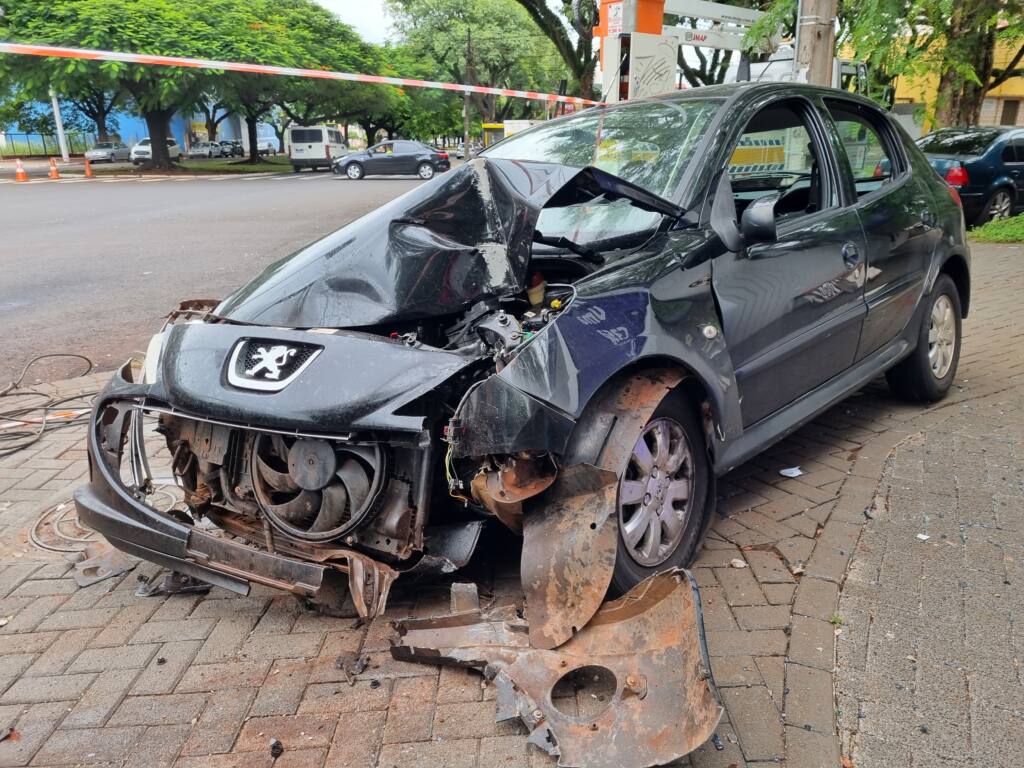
(606, 330)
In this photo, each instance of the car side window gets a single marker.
(1014, 151)
(872, 161)
(776, 153)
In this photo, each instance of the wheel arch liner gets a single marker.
(570, 535)
(651, 640)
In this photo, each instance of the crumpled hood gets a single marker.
(436, 250)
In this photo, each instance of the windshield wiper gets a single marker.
(569, 245)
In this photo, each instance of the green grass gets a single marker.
(218, 165)
(1009, 230)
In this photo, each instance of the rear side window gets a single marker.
(407, 147)
(307, 136)
(1013, 152)
(335, 136)
(957, 142)
(869, 154)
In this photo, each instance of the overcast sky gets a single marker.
(367, 16)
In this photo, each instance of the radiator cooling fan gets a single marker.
(315, 489)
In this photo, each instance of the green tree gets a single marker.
(572, 34)
(475, 42)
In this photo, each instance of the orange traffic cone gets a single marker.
(54, 174)
(19, 173)
(88, 169)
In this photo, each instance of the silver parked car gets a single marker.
(109, 151)
(205, 149)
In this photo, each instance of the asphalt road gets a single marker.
(93, 266)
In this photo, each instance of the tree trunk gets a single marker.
(157, 123)
(101, 126)
(370, 130)
(211, 129)
(254, 150)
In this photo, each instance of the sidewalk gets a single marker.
(99, 676)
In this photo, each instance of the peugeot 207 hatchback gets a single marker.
(571, 335)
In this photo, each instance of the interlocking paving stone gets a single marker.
(159, 710)
(30, 690)
(217, 727)
(88, 745)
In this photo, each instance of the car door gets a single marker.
(792, 307)
(1013, 159)
(897, 212)
(410, 155)
(380, 158)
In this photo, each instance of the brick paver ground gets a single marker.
(99, 676)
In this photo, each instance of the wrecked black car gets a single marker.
(572, 334)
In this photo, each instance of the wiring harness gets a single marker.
(33, 412)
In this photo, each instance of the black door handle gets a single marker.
(851, 256)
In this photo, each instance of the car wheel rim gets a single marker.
(655, 493)
(1001, 206)
(352, 172)
(426, 172)
(942, 337)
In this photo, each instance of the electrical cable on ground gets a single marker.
(36, 407)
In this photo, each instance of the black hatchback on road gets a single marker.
(393, 158)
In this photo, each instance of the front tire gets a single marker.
(354, 171)
(425, 171)
(927, 374)
(662, 494)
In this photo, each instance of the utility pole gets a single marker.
(465, 96)
(62, 140)
(815, 41)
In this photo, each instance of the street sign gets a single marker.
(614, 18)
(707, 38)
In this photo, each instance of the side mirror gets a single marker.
(758, 221)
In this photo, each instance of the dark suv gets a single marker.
(394, 158)
(572, 335)
(985, 165)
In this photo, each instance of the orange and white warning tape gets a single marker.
(23, 49)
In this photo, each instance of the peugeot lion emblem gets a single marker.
(270, 360)
(268, 365)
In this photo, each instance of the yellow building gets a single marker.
(1002, 105)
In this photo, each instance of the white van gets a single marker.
(314, 146)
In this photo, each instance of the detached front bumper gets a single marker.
(111, 508)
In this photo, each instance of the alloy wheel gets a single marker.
(1001, 205)
(941, 337)
(426, 171)
(354, 171)
(655, 493)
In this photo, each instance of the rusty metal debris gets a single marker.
(570, 538)
(503, 490)
(352, 665)
(173, 583)
(101, 561)
(569, 554)
(633, 687)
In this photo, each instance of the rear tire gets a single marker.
(998, 206)
(927, 374)
(425, 171)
